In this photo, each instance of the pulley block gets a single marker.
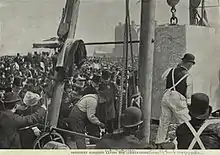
(172, 3)
(195, 3)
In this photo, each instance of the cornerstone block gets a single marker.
(172, 42)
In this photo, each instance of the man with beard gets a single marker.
(11, 122)
(31, 103)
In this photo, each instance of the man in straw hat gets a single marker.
(11, 122)
(176, 97)
(30, 104)
(201, 132)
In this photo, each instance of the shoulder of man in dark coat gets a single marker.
(181, 128)
(214, 128)
(120, 139)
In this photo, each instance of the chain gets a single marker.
(173, 19)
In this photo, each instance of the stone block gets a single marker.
(172, 42)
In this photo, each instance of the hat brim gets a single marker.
(19, 87)
(136, 95)
(29, 84)
(192, 61)
(12, 101)
(201, 116)
(133, 125)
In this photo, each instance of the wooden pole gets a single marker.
(191, 14)
(126, 54)
(59, 83)
(124, 74)
(72, 133)
(55, 45)
(146, 57)
(202, 10)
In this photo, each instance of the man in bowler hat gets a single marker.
(176, 97)
(200, 111)
(130, 121)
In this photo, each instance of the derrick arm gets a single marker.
(66, 33)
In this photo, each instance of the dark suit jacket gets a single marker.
(210, 136)
(10, 123)
(119, 141)
(110, 94)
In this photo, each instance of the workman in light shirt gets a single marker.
(83, 111)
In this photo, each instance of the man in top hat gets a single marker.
(176, 97)
(11, 122)
(109, 89)
(206, 130)
(17, 85)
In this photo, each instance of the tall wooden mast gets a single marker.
(146, 57)
(66, 33)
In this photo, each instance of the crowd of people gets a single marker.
(30, 80)
(93, 97)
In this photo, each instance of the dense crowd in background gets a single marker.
(97, 90)
(35, 72)
(39, 67)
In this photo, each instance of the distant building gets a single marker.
(101, 54)
(103, 51)
(119, 36)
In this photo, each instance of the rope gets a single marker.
(47, 112)
(131, 48)
(125, 53)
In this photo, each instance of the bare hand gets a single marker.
(36, 131)
(102, 125)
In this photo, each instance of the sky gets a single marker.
(26, 21)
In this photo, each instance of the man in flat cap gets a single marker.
(176, 97)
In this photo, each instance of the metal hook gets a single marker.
(173, 19)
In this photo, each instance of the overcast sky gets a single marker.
(26, 21)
